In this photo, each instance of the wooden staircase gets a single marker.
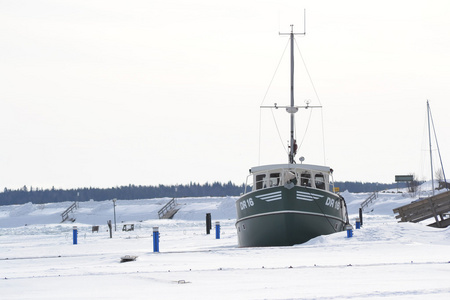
(169, 210)
(437, 207)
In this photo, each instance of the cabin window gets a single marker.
(289, 177)
(319, 181)
(260, 181)
(274, 179)
(305, 179)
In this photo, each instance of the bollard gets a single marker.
(155, 239)
(349, 230)
(208, 223)
(358, 223)
(75, 235)
(217, 230)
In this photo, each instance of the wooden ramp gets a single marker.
(436, 207)
(169, 210)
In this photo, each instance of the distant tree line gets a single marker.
(130, 192)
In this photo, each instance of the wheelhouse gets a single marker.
(312, 176)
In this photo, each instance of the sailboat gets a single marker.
(289, 203)
(434, 206)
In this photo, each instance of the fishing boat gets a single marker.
(287, 204)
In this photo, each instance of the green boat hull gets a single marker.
(288, 215)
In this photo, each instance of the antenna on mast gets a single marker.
(292, 27)
(304, 21)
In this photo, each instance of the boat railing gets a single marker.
(247, 185)
(332, 187)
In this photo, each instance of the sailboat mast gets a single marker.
(429, 141)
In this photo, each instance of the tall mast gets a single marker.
(431, 163)
(292, 142)
(431, 124)
(292, 109)
(429, 140)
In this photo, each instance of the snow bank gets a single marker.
(127, 211)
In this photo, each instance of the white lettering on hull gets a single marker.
(244, 204)
(333, 203)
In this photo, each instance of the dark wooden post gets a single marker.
(208, 223)
(360, 216)
(110, 228)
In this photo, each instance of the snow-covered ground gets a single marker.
(383, 260)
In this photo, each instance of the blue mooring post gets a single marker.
(155, 239)
(217, 230)
(75, 235)
(358, 223)
(349, 230)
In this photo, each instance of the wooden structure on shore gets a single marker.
(437, 207)
(66, 214)
(169, 210)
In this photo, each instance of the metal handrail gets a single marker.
(166, 208)
(369, 200)
(65, 214)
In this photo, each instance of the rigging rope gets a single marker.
(425, 163)
(439, 152)
(273, 77)
(262, 102)
(307, 72)
(273, 116)
(321, 210)
(279, 134)
(323, 138)
(306, 129)
(318, 99)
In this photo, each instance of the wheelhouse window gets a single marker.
(305, 179)
(319, 181)
(290, 177)
(260, 181)
(274, 179)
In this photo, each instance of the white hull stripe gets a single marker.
(270, 196)
(291, 212)
(308, 196)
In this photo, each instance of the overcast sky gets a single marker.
(109, 93)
